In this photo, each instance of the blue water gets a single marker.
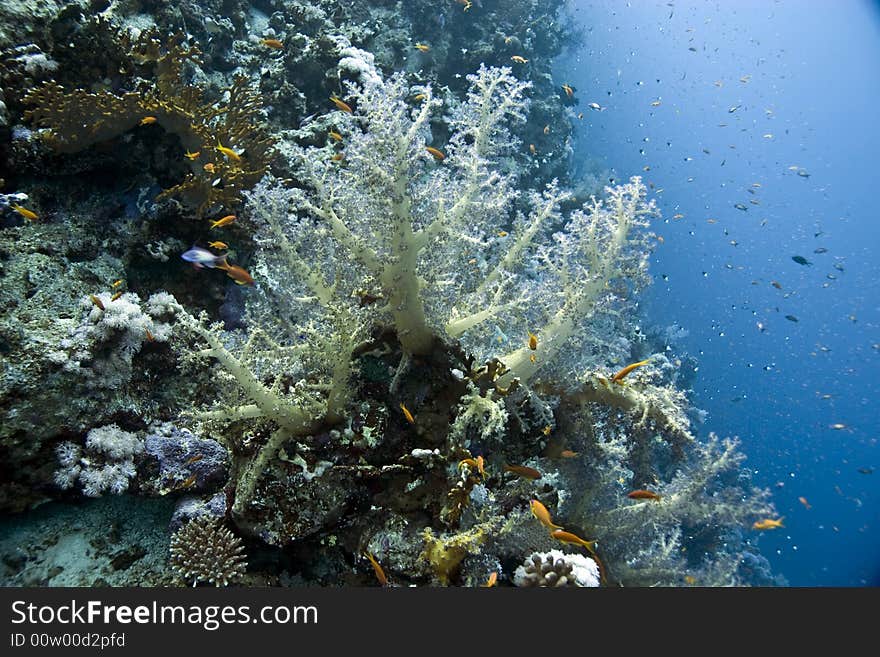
(804, 79)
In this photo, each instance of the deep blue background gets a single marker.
(804, 77)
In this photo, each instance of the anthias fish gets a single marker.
(202, 257)
(644, 495)
(768, 523)
(523, 471)
(543, 515)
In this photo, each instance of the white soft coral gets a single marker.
(106, 463)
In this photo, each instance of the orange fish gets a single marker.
(116, 295)
(523, 471)
(568, 454)
(438, 155)
(543, 515)
(573, 539)
(409, 416)
(209, 167)
(338, 157)
(803, 500)
(477, 464)
(768, 523)
(194, 459)
(218, 245)
(568, 90)
(518, 59)
(236, 273)
(147, 120)
(228, 152)
(274, 44)
(690, 579)
(30, 215)
(96, 302)
(617, 378)
(225, 221)
(644, 495)
(189, 482)
(335, 135)
(117, 283)
(492, 581)
(423, 47)
(380, 574)
(533, 340)
(341, 105)
(192, 156)
(150, 336)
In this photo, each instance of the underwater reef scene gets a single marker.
(305, 293)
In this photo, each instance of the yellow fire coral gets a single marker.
(445, 553)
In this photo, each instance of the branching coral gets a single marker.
(413, 248)
(426, 238)
(664, 405)
(292, 408)
(705, 504)
(78, 119)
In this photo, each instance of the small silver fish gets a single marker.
(202, 257)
